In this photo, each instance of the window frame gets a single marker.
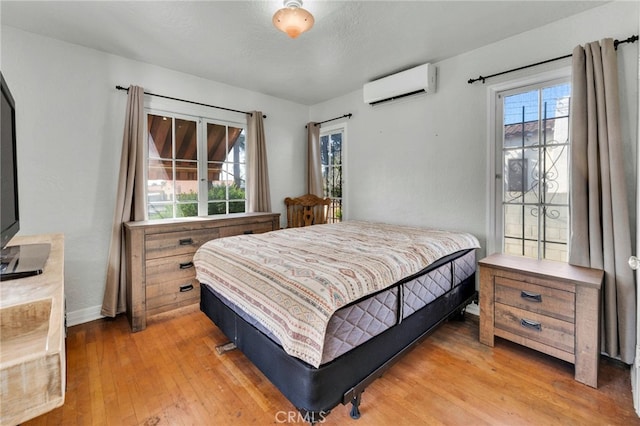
(494, 179)
(332, 129)
(201, 118)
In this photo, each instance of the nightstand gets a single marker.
(549, 306)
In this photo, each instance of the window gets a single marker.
(532, 169)
(196, 166)
(331, 153)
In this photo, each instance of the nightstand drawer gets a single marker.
(542, 300)
(540, 328)
(173, 243)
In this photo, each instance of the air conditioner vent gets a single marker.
(421, 79)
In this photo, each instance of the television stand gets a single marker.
(24, 260)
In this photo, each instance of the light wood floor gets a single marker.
(170, 374)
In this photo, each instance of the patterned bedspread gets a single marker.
(293, 280)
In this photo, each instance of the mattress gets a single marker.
(359, 322)
(320, 291)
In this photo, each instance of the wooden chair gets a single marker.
(306, 210)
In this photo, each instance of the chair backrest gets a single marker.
(306, 210)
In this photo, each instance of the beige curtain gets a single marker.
(258, 196)
(314, 162)
(129, 201)
(600, 233)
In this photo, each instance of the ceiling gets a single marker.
(234, 42)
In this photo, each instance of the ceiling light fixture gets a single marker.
(293, 19)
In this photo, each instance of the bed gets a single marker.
(324, 310)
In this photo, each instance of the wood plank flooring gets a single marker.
(170, 374)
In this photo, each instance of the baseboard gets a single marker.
(84, 315)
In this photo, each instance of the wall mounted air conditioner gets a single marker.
(421, 79)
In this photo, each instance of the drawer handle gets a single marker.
(185, 241)
(186, 287)
(186, 265)
(533, 325)
(250, 231)
(531, 296)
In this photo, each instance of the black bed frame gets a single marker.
(316, 391)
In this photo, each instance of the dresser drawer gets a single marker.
(540, 328)
(174, 243)
(172, 294)
(249, 228)
(542, 300)
(176, 268)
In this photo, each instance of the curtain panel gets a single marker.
(130, 202)
(258, 194)
(314, 162)
(600, 232)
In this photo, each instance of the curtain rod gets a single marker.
(331, 119)
(631, 39)
(190, 102)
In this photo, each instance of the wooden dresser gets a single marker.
(160, 271)
(552, 307)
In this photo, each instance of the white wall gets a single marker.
(418, 161)
(424, 160)
(69, 127)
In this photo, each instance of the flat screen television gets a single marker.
(9, 215)
(16, 261)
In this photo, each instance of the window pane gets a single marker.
(556, 232)
(531, 214)
(556, 100)
(236, 145)
(217, 208)
(186, 142)
(226, 168)
(234, 174)
(160, 136)
(236, 206)
(521, 182)
(521, 126)
(159, 170)
(214, 173)
(216, 142)
(160, 210)
(556, 131)
(187, 209)
(513, 221)
(556, 182)
(187, 178)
